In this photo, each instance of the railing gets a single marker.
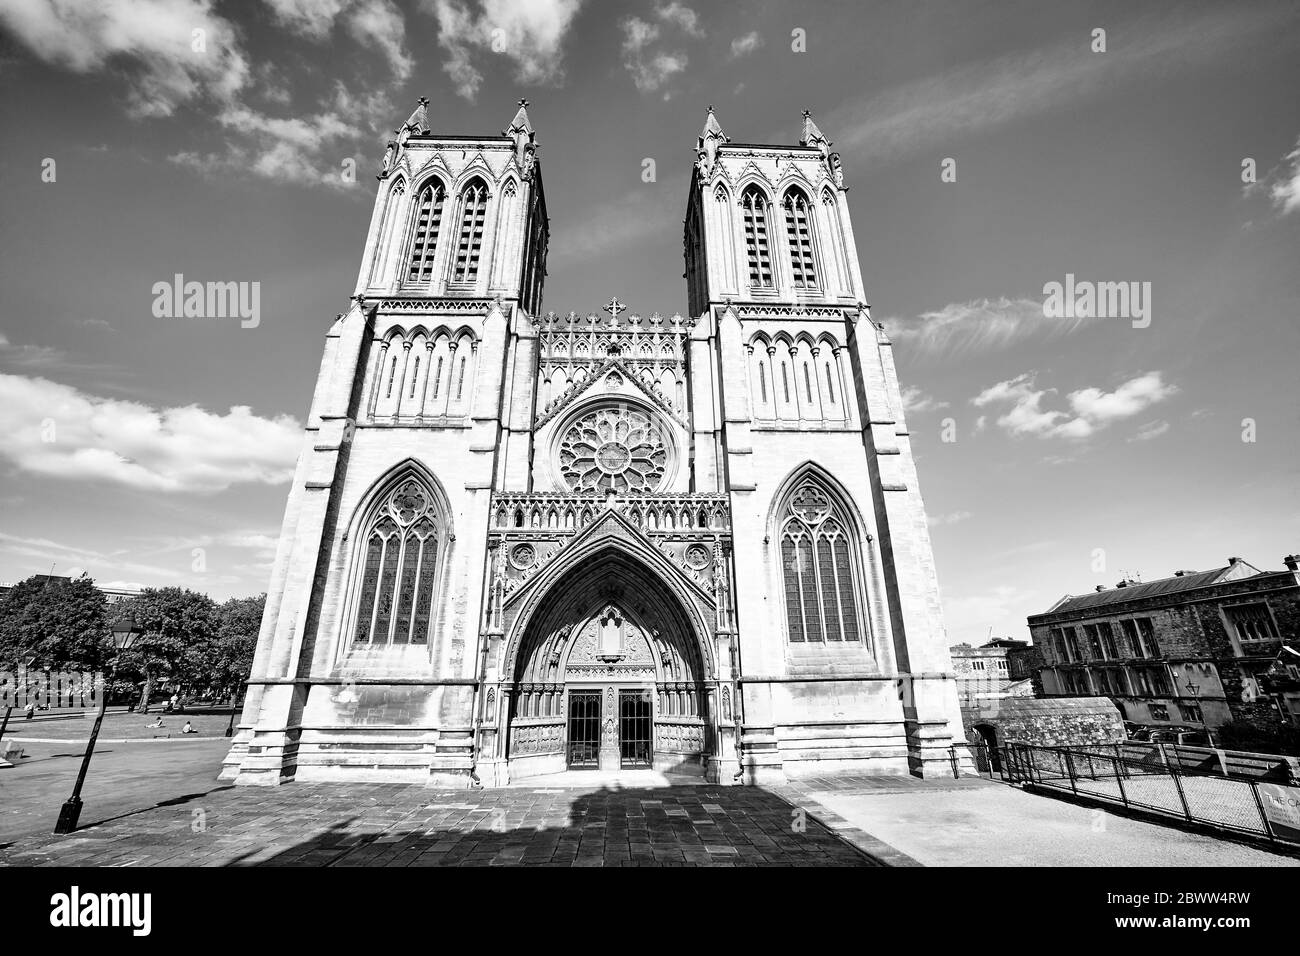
(1151, 782)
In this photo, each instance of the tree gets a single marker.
(221, 664)
(241, 620)
(172, 620)
(56, 623)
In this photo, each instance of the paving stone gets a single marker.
(333, 825)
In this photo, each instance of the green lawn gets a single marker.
(118, 726)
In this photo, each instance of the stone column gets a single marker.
(609, 753)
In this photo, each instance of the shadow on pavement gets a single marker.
(741, 826)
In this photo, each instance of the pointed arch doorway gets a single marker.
(608, 676)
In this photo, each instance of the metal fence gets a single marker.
(1138, 779)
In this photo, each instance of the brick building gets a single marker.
(991, 671)
(1190, 651)
(520, 541)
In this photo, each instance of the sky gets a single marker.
(990, 150)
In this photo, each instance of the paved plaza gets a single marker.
(158, 803)
(385, 824)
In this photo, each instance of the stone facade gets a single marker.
(519, 541)
(991, 671)
(1059, 722)
(1142, 644)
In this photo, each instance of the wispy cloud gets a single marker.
(649, 69)
(1284, 189)
(100, 325)
(182, 53)
(178, 50)
(301, 149)
(745, 45)
(952, 517)
(379, 25)
(980, 96)
(376, 24)
(682, 16)
(43, 358)
(645, 59)
(1150, 430)
(528, 33)
(980, 325)
(1091, 409)
(62, 432)
(149, 564)
(917, 401)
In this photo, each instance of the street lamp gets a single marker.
(1194, 687)
(125, 633)
(9, 708)
(234, 701)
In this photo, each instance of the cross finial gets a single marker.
(807, 112)
(615, 307)
(523, 103)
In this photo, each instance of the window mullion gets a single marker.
(396, 611)
(379, 590)
(415, 584)
(798, 572)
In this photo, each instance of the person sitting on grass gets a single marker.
(156, 724)
(188, 728)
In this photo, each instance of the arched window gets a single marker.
(400, 572)
(424, 241)
(819, 568)
(473, 213)
(755, 206)
(798, 234)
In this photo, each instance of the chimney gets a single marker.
(1292, 562)
(1232, 561)
(1101, 587)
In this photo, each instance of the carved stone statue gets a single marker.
(837, 169)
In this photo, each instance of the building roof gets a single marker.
(1127, 593)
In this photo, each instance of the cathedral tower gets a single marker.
(521, 543)
(367, 661)
(841, 648)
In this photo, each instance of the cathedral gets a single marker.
(521, 543)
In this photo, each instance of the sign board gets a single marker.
(1282, 807)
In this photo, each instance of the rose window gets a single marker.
(613, 448)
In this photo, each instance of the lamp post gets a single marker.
(9, 708)
(1194, 687)
(125, 633)
(234, 709)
